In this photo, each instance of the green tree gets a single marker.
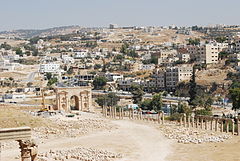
(118, 57)
(221, 39)
(124, 48)
(34, 40)
(146, 104)
(156, 103)
(137, 93)
(19, 51)
(110, 99)
(235, 96)
(132, 53)
(97, 66)
(52, 81)
(193, 41)
(203, 100)
(203, 112)
(6, 46)
(70, 71)
(193, 87)
(49, 76)
(99, 82)
(183, 108)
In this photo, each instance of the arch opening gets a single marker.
(74, 103)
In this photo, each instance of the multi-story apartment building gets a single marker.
(126, 84)
(177, 74)
(157, 81)
(167, 56)
(207, 53)
(235, 56)
(168, 78)
(234, 45)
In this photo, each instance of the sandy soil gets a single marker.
(226, 151)
(136, 142)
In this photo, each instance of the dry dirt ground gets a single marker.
(134, 140)
(226, 151)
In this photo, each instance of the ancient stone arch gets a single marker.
(82, 96)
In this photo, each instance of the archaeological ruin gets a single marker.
(74, 99)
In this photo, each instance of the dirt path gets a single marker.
(137, 142)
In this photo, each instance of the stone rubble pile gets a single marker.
(191, 135)
(82, 154)
(72, 128)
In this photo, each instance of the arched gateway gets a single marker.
(74, 98)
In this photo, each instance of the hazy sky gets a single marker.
(38, 14)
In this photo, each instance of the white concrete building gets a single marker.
(49, 68)
(146, 66)
(114, 76)
(67, 59)
(81, 54)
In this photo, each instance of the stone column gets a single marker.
(227, 126)
(103, 111)
(115, 112)
(238, 126)
(189, 121)
(140, 113)
(233, 127)
(119, 112)
(206, 123)
(201, 125)
(159, 117)
(81, 99)
(106, 111)
(122, 113)
(211, 124)
(132, 113)
(111, 112)
(181, 118)
(216, 124)
(184, 120)
(162, 117)
(192, 121)
(57, 101)
(129, 113)
(221, 125)
(197, 121)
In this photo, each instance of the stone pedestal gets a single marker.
(28, 150)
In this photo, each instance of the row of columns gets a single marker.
(210, 123)
(132, 114)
